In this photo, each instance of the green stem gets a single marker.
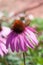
(24, 58)
(5, 62)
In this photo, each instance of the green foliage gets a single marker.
(37, 22)
(40, 38)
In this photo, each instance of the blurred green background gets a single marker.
(33, 56)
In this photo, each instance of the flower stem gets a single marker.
(6, 62)
(24, 58)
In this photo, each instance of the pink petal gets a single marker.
(5, 31)
(31, 29)
(22, 42)
(32, 35)
(3, 47)
(1, 53)
(3, 40)
(28, 36)
(12, 47)
(25, 45)
(29, 43)
(16, 45)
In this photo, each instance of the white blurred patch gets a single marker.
(13, 17)
(30, 16)
(17, 18)
(11, 14)
(21, 15)
(1, 15)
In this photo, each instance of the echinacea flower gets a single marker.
(21, 37)
(3, 35)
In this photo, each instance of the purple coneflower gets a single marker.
(3, 34)
(21, 37)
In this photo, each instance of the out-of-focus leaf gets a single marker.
(40, 38)
(37, 22)
(5, 13)
(5, 24)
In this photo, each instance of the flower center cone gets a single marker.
(18, 26)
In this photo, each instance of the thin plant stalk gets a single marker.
(24, 58)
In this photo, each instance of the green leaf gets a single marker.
(37, 22)
(40, 38)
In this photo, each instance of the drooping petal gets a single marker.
(21, 43)
(28, 41)
(12, 47)
(31, 29)
(3, 47)
(29, 37)
(17, 46)
(12, 42)
(25, 45)
(1, 53)
(15, 42)
(5, 31)
(9, 39)
(32, 35)
(3, 40)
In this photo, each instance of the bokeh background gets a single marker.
(35, 8)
